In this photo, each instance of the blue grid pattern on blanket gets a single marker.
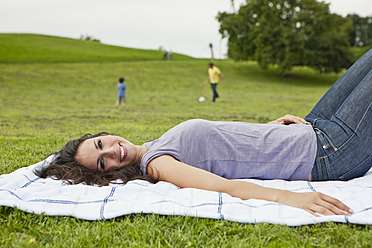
(24, 190)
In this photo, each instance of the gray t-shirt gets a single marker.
(236, 150)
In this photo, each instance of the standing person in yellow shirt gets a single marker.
(214, 75)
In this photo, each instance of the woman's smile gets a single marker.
(107, 152)
(123, 152)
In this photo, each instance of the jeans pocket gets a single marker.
(325, 142)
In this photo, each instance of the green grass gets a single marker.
(32, 48)
(43, 105)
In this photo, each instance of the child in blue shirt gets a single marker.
(121, 92)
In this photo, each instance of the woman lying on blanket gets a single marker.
(333, 142)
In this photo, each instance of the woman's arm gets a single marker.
(288, 119)
(166, 168)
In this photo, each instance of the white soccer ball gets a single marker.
(201, 99)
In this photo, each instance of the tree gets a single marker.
(361, 31)
(288, 33)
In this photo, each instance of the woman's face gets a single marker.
(106, 153)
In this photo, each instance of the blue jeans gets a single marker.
(214, 89)
(342, 121)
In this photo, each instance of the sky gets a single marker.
(183, 26)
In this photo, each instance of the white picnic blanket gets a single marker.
(27, 192)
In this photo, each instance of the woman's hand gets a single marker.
(289, 119)
(316, 203)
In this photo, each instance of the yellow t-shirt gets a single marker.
(214, 74)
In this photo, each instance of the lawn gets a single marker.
(44, 104)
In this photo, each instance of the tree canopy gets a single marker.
(288, 33)
(361, 32)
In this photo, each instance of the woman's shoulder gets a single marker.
(195, 124)
(195, 121)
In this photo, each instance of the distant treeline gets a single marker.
(290, 32)
(89, 37)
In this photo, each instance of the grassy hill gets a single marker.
(43, 105)
(30, 48)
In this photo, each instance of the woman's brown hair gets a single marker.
(65, 167)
